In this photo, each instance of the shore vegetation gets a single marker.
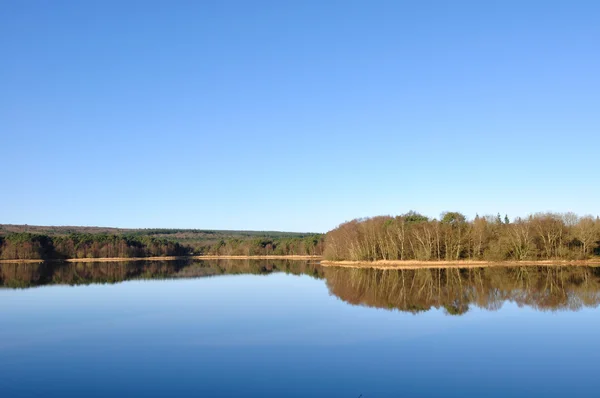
(452, 237)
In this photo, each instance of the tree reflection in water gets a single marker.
(456, 290)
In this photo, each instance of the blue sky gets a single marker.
(295, 115)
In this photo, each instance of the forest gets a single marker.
(312, 245)
(28, 245)
(413, 236)
(25, 245)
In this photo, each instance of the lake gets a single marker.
(296, 329)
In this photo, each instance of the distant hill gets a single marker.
(172, 233)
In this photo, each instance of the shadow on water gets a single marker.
(417, 290)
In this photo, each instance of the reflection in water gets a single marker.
(454, 289)
(22, 275)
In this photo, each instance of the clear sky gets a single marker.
(295, 115)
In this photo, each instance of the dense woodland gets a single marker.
(189, 237)
(62, 243)
(26, 245)
(412, 236)
(311, 245)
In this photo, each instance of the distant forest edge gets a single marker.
(46, 243)
(413, 236)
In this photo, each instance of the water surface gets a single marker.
(293, 328)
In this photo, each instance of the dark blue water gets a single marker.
(277, 334)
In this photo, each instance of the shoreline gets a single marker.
(414, 264)
(163, 258)
(379, 264)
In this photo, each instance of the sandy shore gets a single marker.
(409, 264)
(381, 264)
(167, 258)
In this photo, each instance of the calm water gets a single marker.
(294, 329)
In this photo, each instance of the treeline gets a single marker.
(177, 234)
(18, 246)
(412, 236)
(307, 246)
